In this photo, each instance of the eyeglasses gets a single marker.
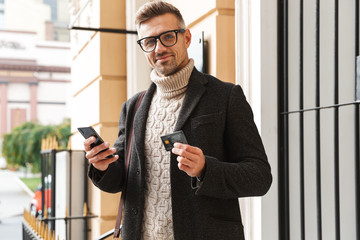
(168, 39)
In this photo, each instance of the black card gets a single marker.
(169, 139)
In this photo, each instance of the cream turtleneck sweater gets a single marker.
(163, 113)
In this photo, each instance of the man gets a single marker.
(192, 192)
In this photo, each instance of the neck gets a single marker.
(175, 84)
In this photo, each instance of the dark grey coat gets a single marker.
(215, 117)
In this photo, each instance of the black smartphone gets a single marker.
(89, 132)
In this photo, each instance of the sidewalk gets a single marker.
(14, 198)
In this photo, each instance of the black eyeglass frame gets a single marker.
(176, 31)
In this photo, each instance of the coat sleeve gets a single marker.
(112, 179)
(245, 171)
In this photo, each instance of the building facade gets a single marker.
(34, 63)
(48, 18)
(34, 80)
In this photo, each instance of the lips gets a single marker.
(162, 58)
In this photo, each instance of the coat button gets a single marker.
(134, 211)
(138, 171)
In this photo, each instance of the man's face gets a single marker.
(166, 60)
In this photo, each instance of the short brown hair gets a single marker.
(157, 8)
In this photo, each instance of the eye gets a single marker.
(148, 42)
(168, 37)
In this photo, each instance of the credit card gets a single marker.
(169, 139)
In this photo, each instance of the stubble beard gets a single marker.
(166, 68)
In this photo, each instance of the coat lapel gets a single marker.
(195, 90)
(140, 121)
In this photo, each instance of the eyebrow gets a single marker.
(172, 29)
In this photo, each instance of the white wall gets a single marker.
(18, 92)
(27, 15)
(53, 53)
(136, 80)
(256, 48)
(51, 113)
(269, 113)
(52, 91)
(24, 42)
(63, 11)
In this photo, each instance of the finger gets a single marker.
(97, 149)
(189, 171)
(107, 153)
(88, 142)
(95, 155)
(104, 163)
(183, 152)
(179, 149)
(190, 167)
(185, 161)
(188, 148)
(184, 167)
(180, 145)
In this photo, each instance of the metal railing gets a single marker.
(106, 235)
(35, 229)
(302, 30)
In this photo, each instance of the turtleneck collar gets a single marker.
(175, 84)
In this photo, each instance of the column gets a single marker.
(3, 107)
(99, 84)
(136, 80)
(33, 101)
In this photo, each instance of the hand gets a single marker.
(99, 160)
(190, 160)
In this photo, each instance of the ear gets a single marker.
(187, 37)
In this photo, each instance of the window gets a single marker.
(2, 18)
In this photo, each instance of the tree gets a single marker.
(23, 145)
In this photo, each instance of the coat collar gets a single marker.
(195, 90)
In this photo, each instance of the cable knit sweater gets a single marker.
(163, 113)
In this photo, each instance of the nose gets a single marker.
(159, 46)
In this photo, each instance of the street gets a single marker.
(13, 199)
